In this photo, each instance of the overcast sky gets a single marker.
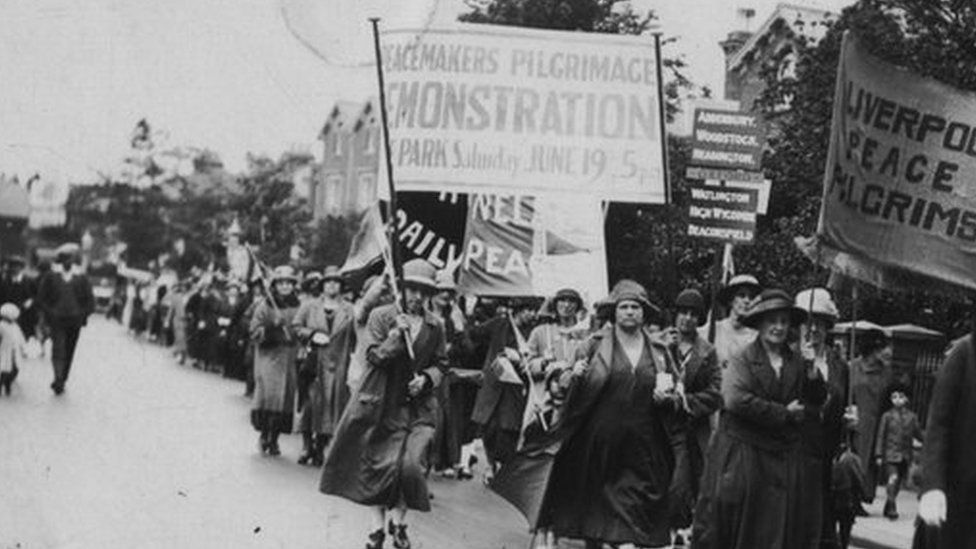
(222, 74)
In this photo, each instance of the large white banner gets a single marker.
(503, 110)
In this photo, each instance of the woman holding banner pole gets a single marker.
(378, 455)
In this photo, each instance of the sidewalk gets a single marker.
(877, 532)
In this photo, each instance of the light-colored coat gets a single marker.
(12, 346)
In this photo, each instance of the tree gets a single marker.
(930, 38)
(604, 16)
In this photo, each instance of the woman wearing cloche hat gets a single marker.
(274, 360)
(378, 455)
(824, 439)
(752, 490)
(613, 449)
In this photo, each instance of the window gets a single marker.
(330, 194)
(365, 190)
(371, 135)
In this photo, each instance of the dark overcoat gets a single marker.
(525, 481)
(503, 403)
(752, 490)
(949, 453)
(702, 379)
(328, 393)
(376, 456)
(870, 380)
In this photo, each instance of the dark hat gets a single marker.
(738, 281)
(571, 295)
(872, 340)
(629, 290)
(690, 298)
(773, 300)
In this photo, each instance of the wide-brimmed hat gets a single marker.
(770, 301)
(445, 281)
(629, 290)
(331, 273)
(817, 302)
(690, 298)
(738, 281)
(420, 272)
(284, 272)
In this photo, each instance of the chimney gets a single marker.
(734, 41)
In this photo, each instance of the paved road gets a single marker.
(142, 453)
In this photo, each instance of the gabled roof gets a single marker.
(799, 20)
(368, 115)
(342, 117)
(14, 200)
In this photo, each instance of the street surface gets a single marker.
(142, 453)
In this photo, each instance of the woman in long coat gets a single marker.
(870, 378)
(378, 455)
(612, 451)
(752, 489)
(320, 323)
(274, 360)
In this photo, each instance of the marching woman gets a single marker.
(752, 493)
(274, 360)
(612, 451)
(378, 455)
(318, 323)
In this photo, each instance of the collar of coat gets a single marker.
(757, 359)
(604, 337)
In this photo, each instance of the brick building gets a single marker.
(773, 46)
(346, 180)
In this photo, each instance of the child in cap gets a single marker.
(12, 345)
(893, 448)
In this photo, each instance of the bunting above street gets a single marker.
(518, 111)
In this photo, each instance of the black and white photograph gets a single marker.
(488, 274)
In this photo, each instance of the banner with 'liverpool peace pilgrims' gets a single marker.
(520, 111)
(900, 180)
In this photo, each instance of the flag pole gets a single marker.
(662, 115)
(391, 210)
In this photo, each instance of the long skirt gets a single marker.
(754, 497)
(273, 407)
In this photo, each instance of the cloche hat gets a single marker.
(690, 298)
(445, 281)
(284, 272)
(822, 304)
(331, 273)
(420, 272)
(773, 300)
(738, 281)
(629, 290)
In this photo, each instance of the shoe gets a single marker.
(679, 540)
(263, 443)
(57, 388)
(305, 458)
(273, 449)
(890, 511)
(860, 511)
(376, 539)
(399, 534)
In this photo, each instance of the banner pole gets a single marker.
(392, 203)
(717, 270)
(662, 115)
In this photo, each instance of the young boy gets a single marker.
(893, 447)
(12, 345)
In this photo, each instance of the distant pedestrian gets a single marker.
(893, 448)
(13, 350)
(871, 377)
(18, 288)
(378, 455)
(949, 454)
(65, 297)
(274, 360)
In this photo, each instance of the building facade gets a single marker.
(774, 46)
(346, 180)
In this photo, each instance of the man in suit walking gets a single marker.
(65, 297)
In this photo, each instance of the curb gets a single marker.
(864, 543)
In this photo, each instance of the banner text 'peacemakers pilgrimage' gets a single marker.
(512, 111)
